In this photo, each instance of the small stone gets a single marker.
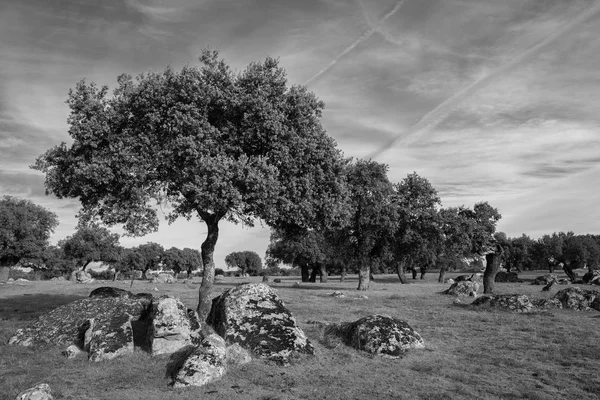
(296, 284)
(72, 351)
(337, 294)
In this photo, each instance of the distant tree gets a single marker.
(25, 229)
(152, 255)
(210, 142)
(299, 248)
(418, 237)
(372, 216)
(54, 259)
(131, 260)
(248, 262)
(519, 256)
(192, 260)
(174, 259)
(91, 243)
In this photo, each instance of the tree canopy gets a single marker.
(91, 243)
(248, 262)
(207, 141)
(25, 229)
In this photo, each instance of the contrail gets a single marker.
(444, 109)
(358, 41)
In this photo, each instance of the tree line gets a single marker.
(245, 146)
(25, 229)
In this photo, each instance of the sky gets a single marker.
(490, 100)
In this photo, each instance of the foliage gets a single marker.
(248, 262)
(208, 141)
(25, 229)
(91, 243)
(418, 237)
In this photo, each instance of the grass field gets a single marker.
(470, 353)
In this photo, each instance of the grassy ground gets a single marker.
(470, 353)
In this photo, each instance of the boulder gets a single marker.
(203, 364)
(511, 302)
(462, 278)
(544, 279)
(477, 277)
(219, 277)
(379, 335)
(163, 278)
(253, 316)
(265, 279)
(449, 280)
(172, 326)
(82, 277)
(463, 288)
(337, 294)
(503, 276)
(579, 299)
(276, 280)
(39, 392)
(100, 325)
(110, 291)
(592, 277)
(237, 355)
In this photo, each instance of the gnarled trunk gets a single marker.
(363, 277)
(313, 274)
(423, 272)
(569, 271)
(305, 273)
(208, 277)
(414, 272)
(323, 273)
(491, 269)
(442, 275)
(400, 272)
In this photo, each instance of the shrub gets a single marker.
(219, 271)
(105, 275)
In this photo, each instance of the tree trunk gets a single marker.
(116, 275)
(442, 275)
(569, 271)
(363, 277)
(86, 264)
(343, 274)
(305, 273)
(208, 277)
(313, 274)
(323, 273)
(414, 272)
(400, 272)
(423, 272)
(491, 269)
(551, 267)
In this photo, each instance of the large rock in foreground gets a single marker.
(511, 302)
(173, 326)
(463, 288)
(100, 325)
(253, 316)
(379, 335)
(579, 299)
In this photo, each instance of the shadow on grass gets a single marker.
(29, 307)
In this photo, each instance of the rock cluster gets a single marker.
(504, 276)
(573, 298)
(592, 277)
(463, 288)
(511, 302)
(545, 279)
(379, 335)
(253, 316)
(82, 277)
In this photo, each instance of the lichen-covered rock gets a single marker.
(237, 355)
(511, 302)
(544, 279)
(463, 288)
(579, 299)
(204, 364)
(173, 326)
(72, 351)
(39, 392)
(592, 277)
(379, 335)
(164, 278)
(106, 321)
(504, 276)
(110, 291)
(83, 277)
(253, 316)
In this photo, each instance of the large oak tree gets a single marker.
(209, 142)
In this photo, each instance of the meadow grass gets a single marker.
(469, 353)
